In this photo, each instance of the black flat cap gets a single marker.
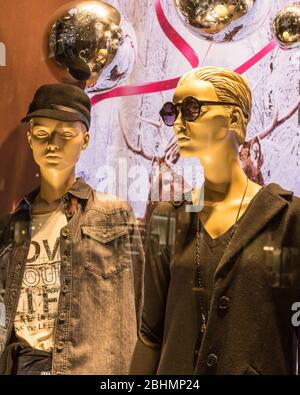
(64, 102)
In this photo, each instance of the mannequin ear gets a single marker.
(236, 124)
(29, 139)
(86, 139)
(29, 130)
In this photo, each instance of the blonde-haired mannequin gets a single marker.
(214, 138)
(229, 86)
(210, 305)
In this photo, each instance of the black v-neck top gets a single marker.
(211, 252)
(170, 281)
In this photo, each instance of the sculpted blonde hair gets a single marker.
(229, 86)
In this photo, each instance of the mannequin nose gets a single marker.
(53, 142)
(179, 124)
(52, 147)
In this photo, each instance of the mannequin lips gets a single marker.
(52, 156)
(182, 138)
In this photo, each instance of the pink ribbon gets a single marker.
(256, 58)
(157, 86)
(130, 90)
(187, 52)
(174, 37)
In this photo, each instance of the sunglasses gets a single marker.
(190, 109)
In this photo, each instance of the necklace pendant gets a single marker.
(201, 290)
(203, 326)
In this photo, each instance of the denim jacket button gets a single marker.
(62, 317)
(65, 232)
(64, 289)
(60, 346)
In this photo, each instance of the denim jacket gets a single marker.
(102, 265)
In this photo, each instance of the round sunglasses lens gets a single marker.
(168, 113)
(190, 109)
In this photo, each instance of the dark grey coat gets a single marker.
(249, 329)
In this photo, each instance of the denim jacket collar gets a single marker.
(79, 189)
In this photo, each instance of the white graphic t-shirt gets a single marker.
(37, 307)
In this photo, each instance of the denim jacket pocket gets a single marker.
(106, 248)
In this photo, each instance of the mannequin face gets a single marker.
(56, 145)
(211, 128)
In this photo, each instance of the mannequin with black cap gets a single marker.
(57, 135)
(71, 258)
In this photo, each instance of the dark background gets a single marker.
(22, 30)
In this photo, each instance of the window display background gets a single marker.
(274, 82)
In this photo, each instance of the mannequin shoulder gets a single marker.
(174, 213)
(5, 227)
(289, 197)
(167, 208)
(294, 205)
(4, 221)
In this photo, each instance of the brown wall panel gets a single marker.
(22, 29)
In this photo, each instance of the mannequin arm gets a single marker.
(156, 282)
(145, 359)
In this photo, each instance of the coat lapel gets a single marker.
(263, 208)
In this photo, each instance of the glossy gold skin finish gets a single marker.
(213, 139)
(56, 148)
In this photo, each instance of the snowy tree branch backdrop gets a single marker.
(129, 130)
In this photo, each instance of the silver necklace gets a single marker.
(200, 284)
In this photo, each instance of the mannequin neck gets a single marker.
(229, 187)
(53, 186)
(225, 179)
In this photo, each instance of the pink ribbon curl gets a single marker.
(186, 50)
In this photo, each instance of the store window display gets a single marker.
(219, 297)
(71, 258)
